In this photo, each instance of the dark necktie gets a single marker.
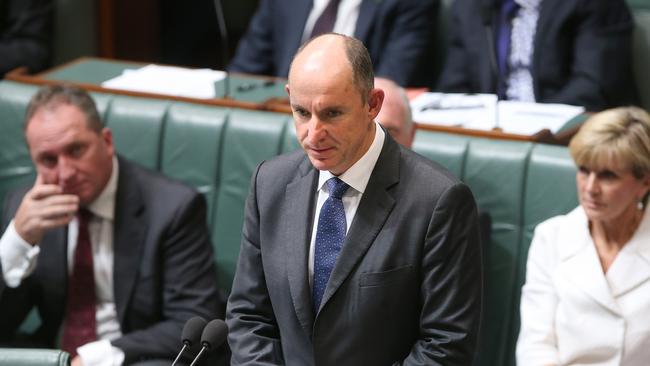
(508, 10)
(80, 323)
(329, 238)
(325, 22)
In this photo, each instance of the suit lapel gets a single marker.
(299, 218)
(584, 271)
(296, 23)
(374, 208)
(543, 23)
(129, 233)
(631, 267)
(366, 16)
(580, 264)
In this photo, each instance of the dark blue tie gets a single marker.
(508, 10)
(329, 238)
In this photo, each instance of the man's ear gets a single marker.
(375, 100)
(286, 88)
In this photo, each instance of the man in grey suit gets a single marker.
(355, 251)
(114, 257)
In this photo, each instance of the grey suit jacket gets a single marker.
(164, 271)
(407, 285)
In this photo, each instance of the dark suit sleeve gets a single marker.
(451, 287)
(25, 34)
(15, 303)
(189, 285)
(255, 50)
(403, 58)
(601, 66)
(253, 336)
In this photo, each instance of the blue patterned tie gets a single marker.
(329, 238)
(508, 11)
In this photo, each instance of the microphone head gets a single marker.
(214, 334)
(192, 331)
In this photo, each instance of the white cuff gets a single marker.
(100, 353)
(17, 256)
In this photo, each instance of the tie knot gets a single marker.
(84, 214)
(336, 187)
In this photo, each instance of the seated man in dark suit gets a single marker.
(114, 257)
(25, 34)
(546, 51)
(397, 33)
(355, 251)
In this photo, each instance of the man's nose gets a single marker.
(317, 130)
(66, 169)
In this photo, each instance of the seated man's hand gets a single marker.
(76, 361)
(44, 207)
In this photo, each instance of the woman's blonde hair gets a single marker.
(618, 136)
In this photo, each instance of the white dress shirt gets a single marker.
(19, 260)
(356, 177)
(346, 17)
(524, 27)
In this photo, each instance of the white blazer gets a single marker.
(574, 314)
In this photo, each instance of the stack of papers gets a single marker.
(455, 109)
(168, 80)
(486, 112)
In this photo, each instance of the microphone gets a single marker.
(488, 8)
(191, 334)
(225, 49)
(213, 336)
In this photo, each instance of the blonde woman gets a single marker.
(586, 300)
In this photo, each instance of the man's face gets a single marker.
(68, 153)
(334, 125)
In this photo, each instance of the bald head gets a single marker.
(395, 114)
(333, 51)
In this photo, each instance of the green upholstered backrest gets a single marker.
(137, 126)
(191, 147)
(216, 150)
(249, 138)
(15, 164)
(33, 357)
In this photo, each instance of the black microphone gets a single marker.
(488, 8)
(225, 50)
(213, 336)
(191, 334)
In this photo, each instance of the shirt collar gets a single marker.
(358, 175)
(104, 205)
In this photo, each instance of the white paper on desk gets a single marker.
(476, 111)
(168, 80)
(524, 118)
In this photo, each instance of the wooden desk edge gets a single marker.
(276, 105)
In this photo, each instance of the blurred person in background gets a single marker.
(546, 51)
(25, 34)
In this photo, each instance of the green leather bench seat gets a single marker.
(216, 150)
(33, 357)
